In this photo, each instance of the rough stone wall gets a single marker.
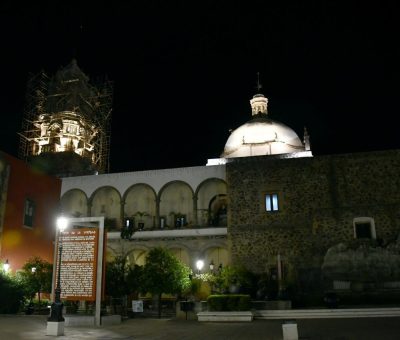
(319, 198)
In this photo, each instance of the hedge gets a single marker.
(229, 302)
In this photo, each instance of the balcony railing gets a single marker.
(171, 233)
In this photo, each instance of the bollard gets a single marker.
(289, 329)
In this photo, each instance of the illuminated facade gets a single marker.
(66, 113)
(267, 204)
(271, 206)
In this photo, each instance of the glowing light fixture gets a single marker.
(62, 223)
(212, 265)
(199, 265)
(6, 266)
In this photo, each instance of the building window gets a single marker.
(364, 227)
(29, 213)
(271, 202)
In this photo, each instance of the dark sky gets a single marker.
(184, 71)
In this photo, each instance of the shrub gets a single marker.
(231, 302)
(11, 296)
(216, 303)
(244, 302)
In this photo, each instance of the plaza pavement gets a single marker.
(33, 327)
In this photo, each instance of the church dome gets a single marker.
(262, 135)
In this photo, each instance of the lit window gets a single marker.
(364, 227)
(271, 202)
(29, 211)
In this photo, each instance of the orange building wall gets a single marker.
(19, 243)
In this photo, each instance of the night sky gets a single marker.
(184, 73)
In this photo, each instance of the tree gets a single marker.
(37, 275)
(134, 279)
(238, 278)
(164, 273)
(122, 279)
(11, 294)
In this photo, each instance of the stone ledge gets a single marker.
(326, 313)
(234, 316)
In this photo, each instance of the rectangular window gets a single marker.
(363, 230)
(29, 213)
(271, 202)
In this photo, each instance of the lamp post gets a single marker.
(212, 281)
(212, 266)
(57, 305)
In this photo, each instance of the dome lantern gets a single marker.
(259, 105)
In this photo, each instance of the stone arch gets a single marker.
(218, 209)
(181, 252)
(140, 205)
(212, 203)
(74, 203)
(111, 253)
(176, 201)
(106, 201)
(137, 255)
(217, 253)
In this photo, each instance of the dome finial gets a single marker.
(259, 86)
(259, 103)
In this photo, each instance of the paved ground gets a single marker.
(33, 327)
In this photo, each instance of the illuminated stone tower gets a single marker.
(66, 125)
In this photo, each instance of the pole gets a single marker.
(279, 265)
(57, 305)
(58, 287)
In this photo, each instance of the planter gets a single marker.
(234, 316)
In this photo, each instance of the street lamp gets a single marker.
(6, 266)
(199, 265)
(212, 266)
(57, 305)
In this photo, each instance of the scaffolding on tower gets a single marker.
(66, 113)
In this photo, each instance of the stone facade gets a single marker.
(319, 200)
